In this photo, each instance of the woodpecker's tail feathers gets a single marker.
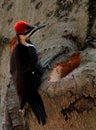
(38, 107)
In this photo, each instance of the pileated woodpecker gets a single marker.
(26, 70)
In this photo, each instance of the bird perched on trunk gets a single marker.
(26, 70)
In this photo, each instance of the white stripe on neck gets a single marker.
(29, 45)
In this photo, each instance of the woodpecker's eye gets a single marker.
(29, 29)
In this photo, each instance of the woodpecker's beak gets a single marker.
(32, 30)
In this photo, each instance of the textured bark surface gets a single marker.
(70, 26)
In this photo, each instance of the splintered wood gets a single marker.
(62, 69)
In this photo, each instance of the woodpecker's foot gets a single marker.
(47, 67)
(22, 112)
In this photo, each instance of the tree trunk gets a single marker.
(70, 102)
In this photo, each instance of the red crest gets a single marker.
(20, 27)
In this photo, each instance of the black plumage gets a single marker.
(26, 71)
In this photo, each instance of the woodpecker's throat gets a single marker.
(23, 39)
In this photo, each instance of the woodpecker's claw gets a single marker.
(22, 112)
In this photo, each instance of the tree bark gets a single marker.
(70, 28)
